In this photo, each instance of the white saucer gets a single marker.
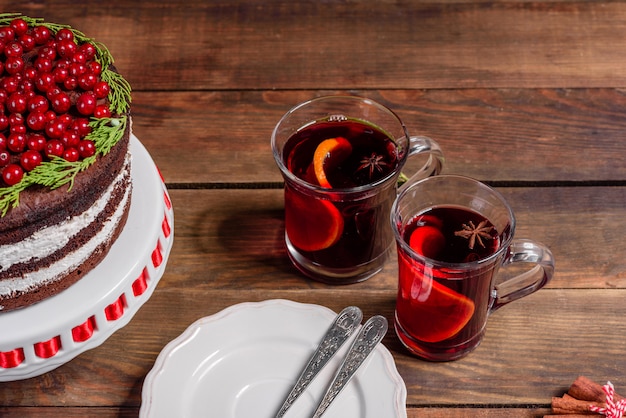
(43, 336)
(242, 362)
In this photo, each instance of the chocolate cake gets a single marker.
(65, 165)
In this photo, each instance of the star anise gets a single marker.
(373, 163)
(475, 233)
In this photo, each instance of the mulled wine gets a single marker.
(337, 225)
(453, 233)
(443, 303)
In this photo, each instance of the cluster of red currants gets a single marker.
(50, 86)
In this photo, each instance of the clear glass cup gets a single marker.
(453, 234)
(341, 158)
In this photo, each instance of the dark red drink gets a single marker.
(443, 302)
(337, 225)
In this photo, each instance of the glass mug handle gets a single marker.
(524, 251)
(434, 165)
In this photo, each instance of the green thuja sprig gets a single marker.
(119, 96)
(106, 132)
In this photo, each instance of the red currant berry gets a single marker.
(65, 33)
(44, 82)
(17, 129)
(4, 158)
(60, 74)
(55, 128)
(64, 63)
(28, 42)
(70, 83)
(101, 89)
(50, 115)
(3, 142)
(12, 174)
(17, 102)
(86, 103)
(48, 52)
(42, 34)
(30, 159)
(30, 73)
(70, 139)
(28, 88)
(76, 69)
(36, 121)
(71, 155)
(66, 48)
(102, 111)
(16, 142)
(66, 119)
(94, 67)
(19, 26)
(10, 84)
(86, 148)
(36, 142)
(79, 57)
(4, 122)
(43, 65)
(7, 34)
(53, 92)
(54, 148)
(16, 119)
(14, 65)
(89, 50)
(81, 125)
(61, 102)
(87, 81)
(37, 103)
(13, 49)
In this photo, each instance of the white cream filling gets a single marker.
(50, 239)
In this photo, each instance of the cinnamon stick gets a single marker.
(567, 415)
(568, 405)
(586, 389)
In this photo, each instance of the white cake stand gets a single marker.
(39, 338)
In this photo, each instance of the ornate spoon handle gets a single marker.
(340, 330)
(370, 335)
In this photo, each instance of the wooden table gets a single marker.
(527, 96)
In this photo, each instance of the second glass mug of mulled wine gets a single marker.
(341, 158)
(453, 234)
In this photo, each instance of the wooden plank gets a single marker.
(533, 349)
(200, 45)
(233, 239)
(499, 135)
(71, 412)
(80, 412)
(476, 412)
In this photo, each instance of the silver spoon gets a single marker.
(366, 340)
(339, 331)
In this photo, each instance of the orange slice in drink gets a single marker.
(328, 155)
(312, 224)
(441, 315)
(427, 240)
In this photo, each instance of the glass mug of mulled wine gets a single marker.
(341, 158)
(453, 233)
